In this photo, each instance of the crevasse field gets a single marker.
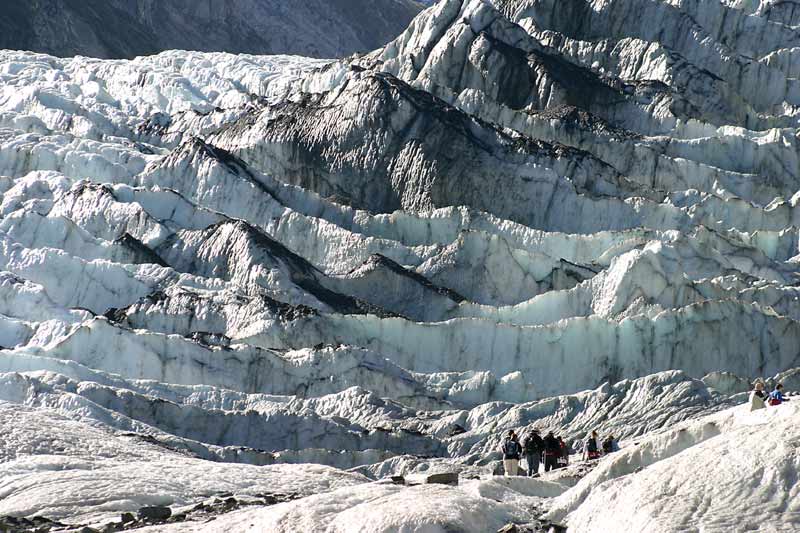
(255, 288)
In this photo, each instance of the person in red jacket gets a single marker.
(563, 460)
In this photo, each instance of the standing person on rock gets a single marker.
(758, 397)
(511, 451)
(533, 446)
(592, 447)
(564, 449)
(776, 397)
(552, 451)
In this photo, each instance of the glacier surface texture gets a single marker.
(280, 280)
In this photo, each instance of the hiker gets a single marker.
(592, 451)
(552, 450)
(533, 446)
(563, 460)
(758, 397)
(511, 451)
(776, 397)
(608, 445)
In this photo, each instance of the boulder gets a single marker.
(155, 513)
(230, 503)
(726, 383)
(446, 478)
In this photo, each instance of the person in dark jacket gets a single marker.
(533, 446)
(608, 445)
(511, 451)
(592, 449)
(552, 451)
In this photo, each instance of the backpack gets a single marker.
(774, 401)
(511, 448)
(533, 445)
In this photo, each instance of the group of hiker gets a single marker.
(760, 399)
(550, 451)
(593, 448)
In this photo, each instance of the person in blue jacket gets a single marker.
(511, 450)
(776, 397)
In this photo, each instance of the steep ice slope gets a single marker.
(501, 218)
(753, 266)
(467, 63)
(124, 29)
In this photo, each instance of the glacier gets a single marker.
(288, 282)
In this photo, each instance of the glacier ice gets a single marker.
(272, 270)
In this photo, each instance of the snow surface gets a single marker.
(478, 506)
(81, 472)
(734, 471)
